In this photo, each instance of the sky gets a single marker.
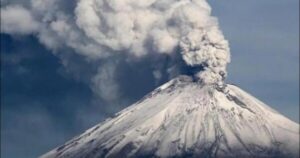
(44, 103)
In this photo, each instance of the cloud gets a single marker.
(134, 74)
(131, 30)
(145, 27)
(104, 82)
(16, 19)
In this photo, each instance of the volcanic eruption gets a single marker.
(194, 115)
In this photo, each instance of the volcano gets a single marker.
(186, 118)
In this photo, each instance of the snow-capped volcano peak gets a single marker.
(184, 118)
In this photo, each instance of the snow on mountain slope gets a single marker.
(183, 118)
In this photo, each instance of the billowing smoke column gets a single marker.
(140, 27)
(131, 29)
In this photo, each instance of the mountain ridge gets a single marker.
(185, 118)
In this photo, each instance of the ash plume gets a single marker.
(167, 34)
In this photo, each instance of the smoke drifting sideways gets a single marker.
(169, 35)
